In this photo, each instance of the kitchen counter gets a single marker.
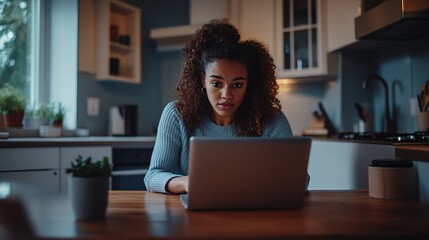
(416, 152)
(147, 215)
(123, 142)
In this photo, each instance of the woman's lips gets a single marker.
(226, 106)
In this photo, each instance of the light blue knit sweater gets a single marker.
(170, 153)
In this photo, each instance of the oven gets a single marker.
(129, 168)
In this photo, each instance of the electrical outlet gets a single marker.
(93, 106)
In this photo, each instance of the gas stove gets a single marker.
(419, 137)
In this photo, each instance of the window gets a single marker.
(18, 45)
(33, 34)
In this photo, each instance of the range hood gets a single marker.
(400, 20)
(201, 12)
(172, 38)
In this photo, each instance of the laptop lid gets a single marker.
(247, 173)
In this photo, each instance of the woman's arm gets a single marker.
(165, 160)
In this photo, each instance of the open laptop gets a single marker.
(247, 173)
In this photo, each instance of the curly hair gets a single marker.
(221, 40)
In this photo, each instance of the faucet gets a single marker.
(389, 126)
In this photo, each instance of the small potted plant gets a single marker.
(58, 114)
(89, 187)
(37, 115)
(12, 105)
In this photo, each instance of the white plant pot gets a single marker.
(35, 123)
(89, 197)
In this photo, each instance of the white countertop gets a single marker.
(139, 141)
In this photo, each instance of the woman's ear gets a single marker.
(203, 80)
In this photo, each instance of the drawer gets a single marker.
(32, 183)
(17, 159)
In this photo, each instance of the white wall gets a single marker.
(298, 105)
(64, 56)
(299, 101)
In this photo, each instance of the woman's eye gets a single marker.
(238, 85)
(216, 84)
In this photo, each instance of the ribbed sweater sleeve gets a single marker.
(165, 160)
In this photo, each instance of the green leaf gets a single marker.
(88, 168)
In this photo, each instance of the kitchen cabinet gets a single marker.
(69, 154)
(250, 23)
(118, 42)
(300, 40)
(41, 163)
(340, 16)
(30, 170)
(294, 31)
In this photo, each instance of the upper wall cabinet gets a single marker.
(300, 43)
(291, 29)
(118, 41)
(340, 16)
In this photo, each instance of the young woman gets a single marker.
(227, 89)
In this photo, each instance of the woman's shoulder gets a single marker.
(279, 126)
(279, 115)
(171, 111)
(171, 107)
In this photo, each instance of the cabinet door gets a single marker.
(340, 24)
(300, 50)
(32, 183)
(69, 154)
(19, 159)
(255, 20)
(336, 165)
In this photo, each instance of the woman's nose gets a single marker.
(227, 93)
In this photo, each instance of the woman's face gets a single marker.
(226, 84)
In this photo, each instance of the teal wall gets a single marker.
(159, 73)
(404, 66)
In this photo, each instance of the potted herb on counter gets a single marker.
(37, 115)
(58, 114)
(89, 187)
(12, 105)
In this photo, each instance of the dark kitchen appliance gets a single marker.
(130, 167)
(400, 20)
(123, 120)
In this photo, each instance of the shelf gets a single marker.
(119, 47)
(118, 38)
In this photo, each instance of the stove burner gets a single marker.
(386, 137)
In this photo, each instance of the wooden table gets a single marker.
(325, 215)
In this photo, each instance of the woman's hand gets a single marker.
(178, 185)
